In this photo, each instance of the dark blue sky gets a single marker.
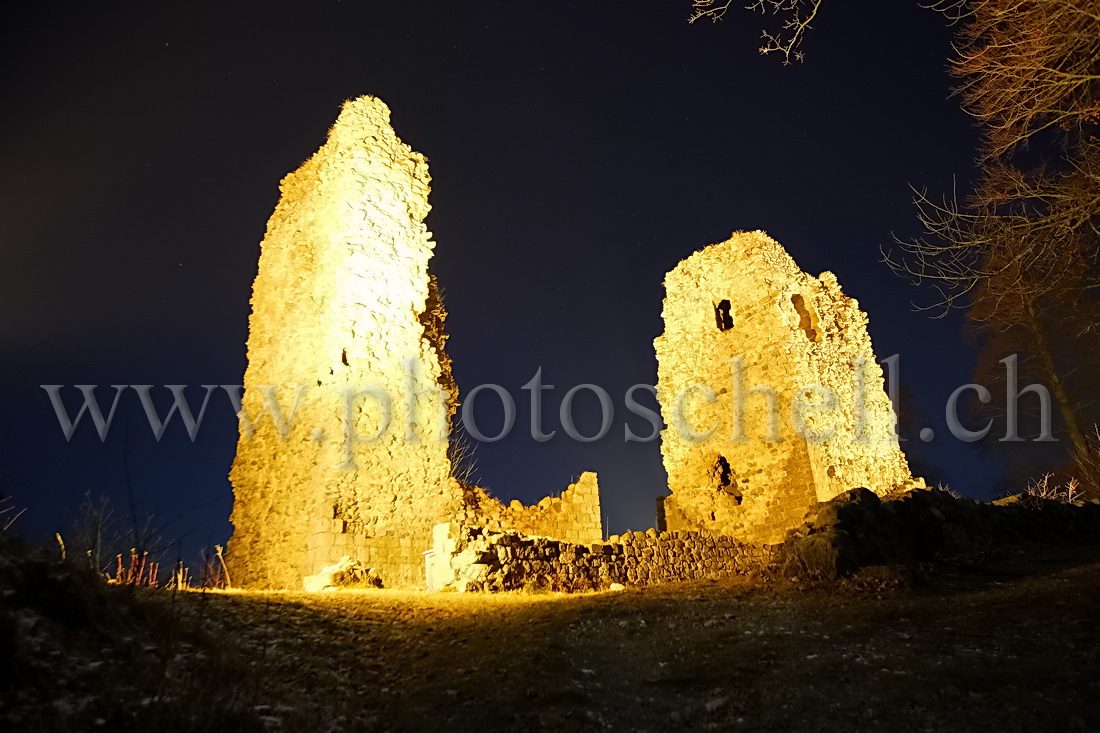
(578, 152)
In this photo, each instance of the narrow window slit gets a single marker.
(723, 316)
(807, 321)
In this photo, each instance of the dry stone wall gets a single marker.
(771, 394)
(483, 560)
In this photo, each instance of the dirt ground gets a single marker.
(1013, 646)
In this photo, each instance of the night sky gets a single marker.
(578, 152)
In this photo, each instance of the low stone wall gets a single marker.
(492, 561)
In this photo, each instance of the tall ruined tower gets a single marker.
(770, 392)
(346, 341)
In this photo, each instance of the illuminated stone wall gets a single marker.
(343, 301)
(747, 336)
(346, 339)
(574, 516)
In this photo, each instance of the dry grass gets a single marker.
(721, 655)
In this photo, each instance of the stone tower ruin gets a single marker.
(771, 395)
(348, 400)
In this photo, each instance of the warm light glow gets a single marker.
(348, 394)
(798, 410)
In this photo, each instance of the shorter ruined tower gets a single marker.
(770, 392)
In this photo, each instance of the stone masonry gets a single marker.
(772, 397)
(574, 516)
(484, 560)
(345, 426)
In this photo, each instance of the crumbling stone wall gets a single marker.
(574, 516)
(483, 560)
(748, 336)
(346, 343)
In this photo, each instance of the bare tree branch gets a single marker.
(797, 17)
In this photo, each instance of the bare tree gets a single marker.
(1021, 252)
(1027, 67)
(1021, 256)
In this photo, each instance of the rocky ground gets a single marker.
(1011, 645)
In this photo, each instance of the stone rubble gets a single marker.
(346, 573)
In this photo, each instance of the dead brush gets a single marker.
(139, 570)
(1047, 489)
(181, 577)
(460, 451)
(941, 486)
(1081, 483)
(7, 519)
(214, 573)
